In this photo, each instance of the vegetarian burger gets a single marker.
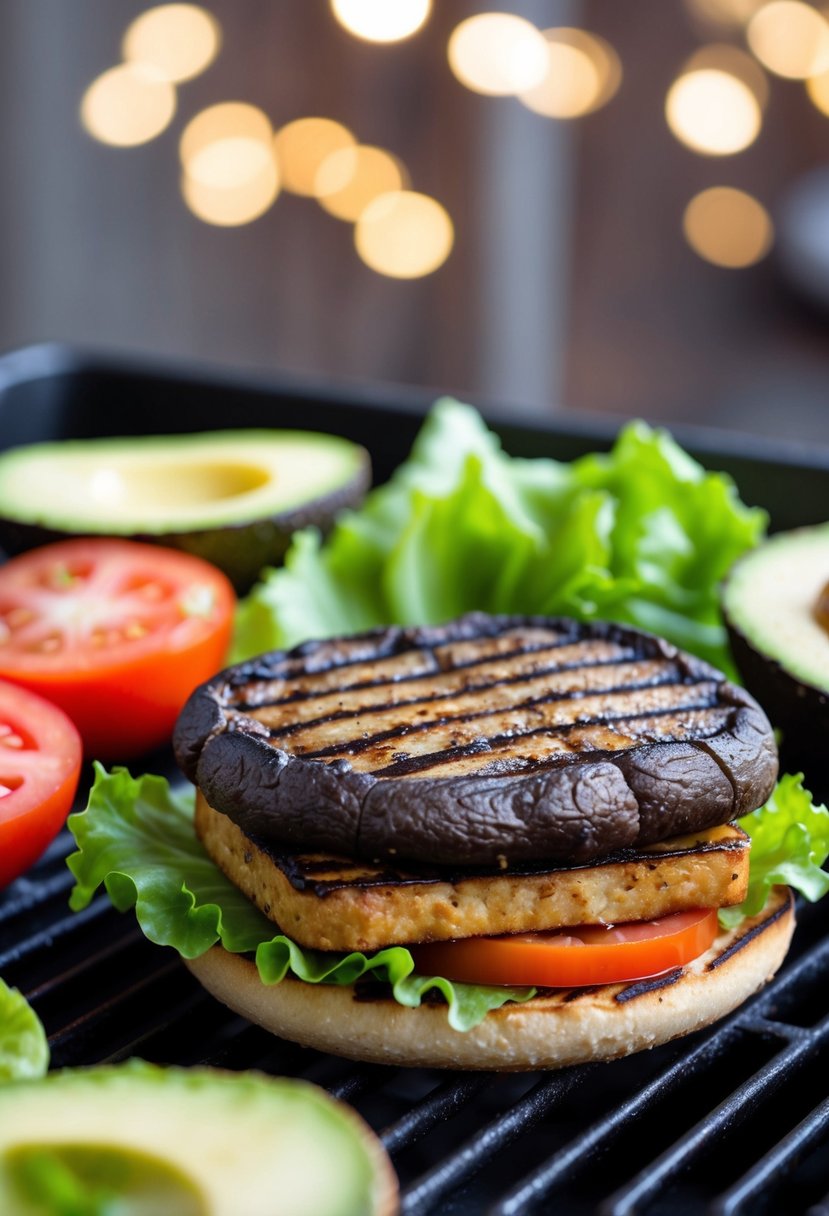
(534, 807)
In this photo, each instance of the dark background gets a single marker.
(570, 286)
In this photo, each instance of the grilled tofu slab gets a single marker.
(489, 740)
(333, 903)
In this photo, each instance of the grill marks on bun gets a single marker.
(555, 1029)
(488, 740)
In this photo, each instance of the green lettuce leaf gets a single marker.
(642, 535)
(789, 844)
(136, 838)
(24, 1050)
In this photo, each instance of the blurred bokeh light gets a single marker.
(790, 38)
(728, 227)
(303, 145)
(128, 105)
(227, 145)
(818, 89)
(348, 179)
(713, 112)
(583, 73)
(498, 54)
(725, 14)
(404, 235)
(228, 206)
(178, 40)
(381, 20)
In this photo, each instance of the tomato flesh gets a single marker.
(116, 633)
(40, 762)
(575, 957)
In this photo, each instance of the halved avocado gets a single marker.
(142, 1141)
(774, 603)
(231, 497)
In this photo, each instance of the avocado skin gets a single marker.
(241, 550)
(801, 711)
(572, 813)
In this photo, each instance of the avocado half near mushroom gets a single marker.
(776, 606)
(233, 498)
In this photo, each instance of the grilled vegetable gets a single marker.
(490, 741)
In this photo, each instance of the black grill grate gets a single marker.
(731, 1120)
(734, 1120)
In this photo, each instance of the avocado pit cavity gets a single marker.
(98, 1178)
(822, 609)
(234, 498)
(163, 488)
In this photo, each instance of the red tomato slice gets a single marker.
(116, 633)
(40, 761)
(573, 958)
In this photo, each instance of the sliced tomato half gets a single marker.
(40, 761)
(116, 633)
(573, 958)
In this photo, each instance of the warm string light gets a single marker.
(301, 148)
(178, 40)
(135, 101)
(226, 144)
(234, 165)
(497, 54)
(348, 179)
(128, 105)
(712, 112)
(381, 20)
(790, 38)
(404, 235)
(583, 73)
(728, 227)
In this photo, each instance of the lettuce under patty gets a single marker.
(136, 838)
(642, 536)
(789, 845)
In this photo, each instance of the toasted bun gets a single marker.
(554, 1029)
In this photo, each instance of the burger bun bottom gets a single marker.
(554, 1029)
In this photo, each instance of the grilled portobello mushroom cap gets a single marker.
(489, 740)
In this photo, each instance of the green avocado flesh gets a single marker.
(771, 599)
(144, 1141)
(232, 497)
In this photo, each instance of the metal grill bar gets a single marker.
(765, 1081)
(89, 962)
(438, 1106)
(579, 1153)
(782, 1158)
(70, 924)
(361, 1081)
(33, 895)
(479, 1150)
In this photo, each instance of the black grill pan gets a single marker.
(733, 1120)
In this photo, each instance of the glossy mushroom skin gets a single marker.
(709, 766)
